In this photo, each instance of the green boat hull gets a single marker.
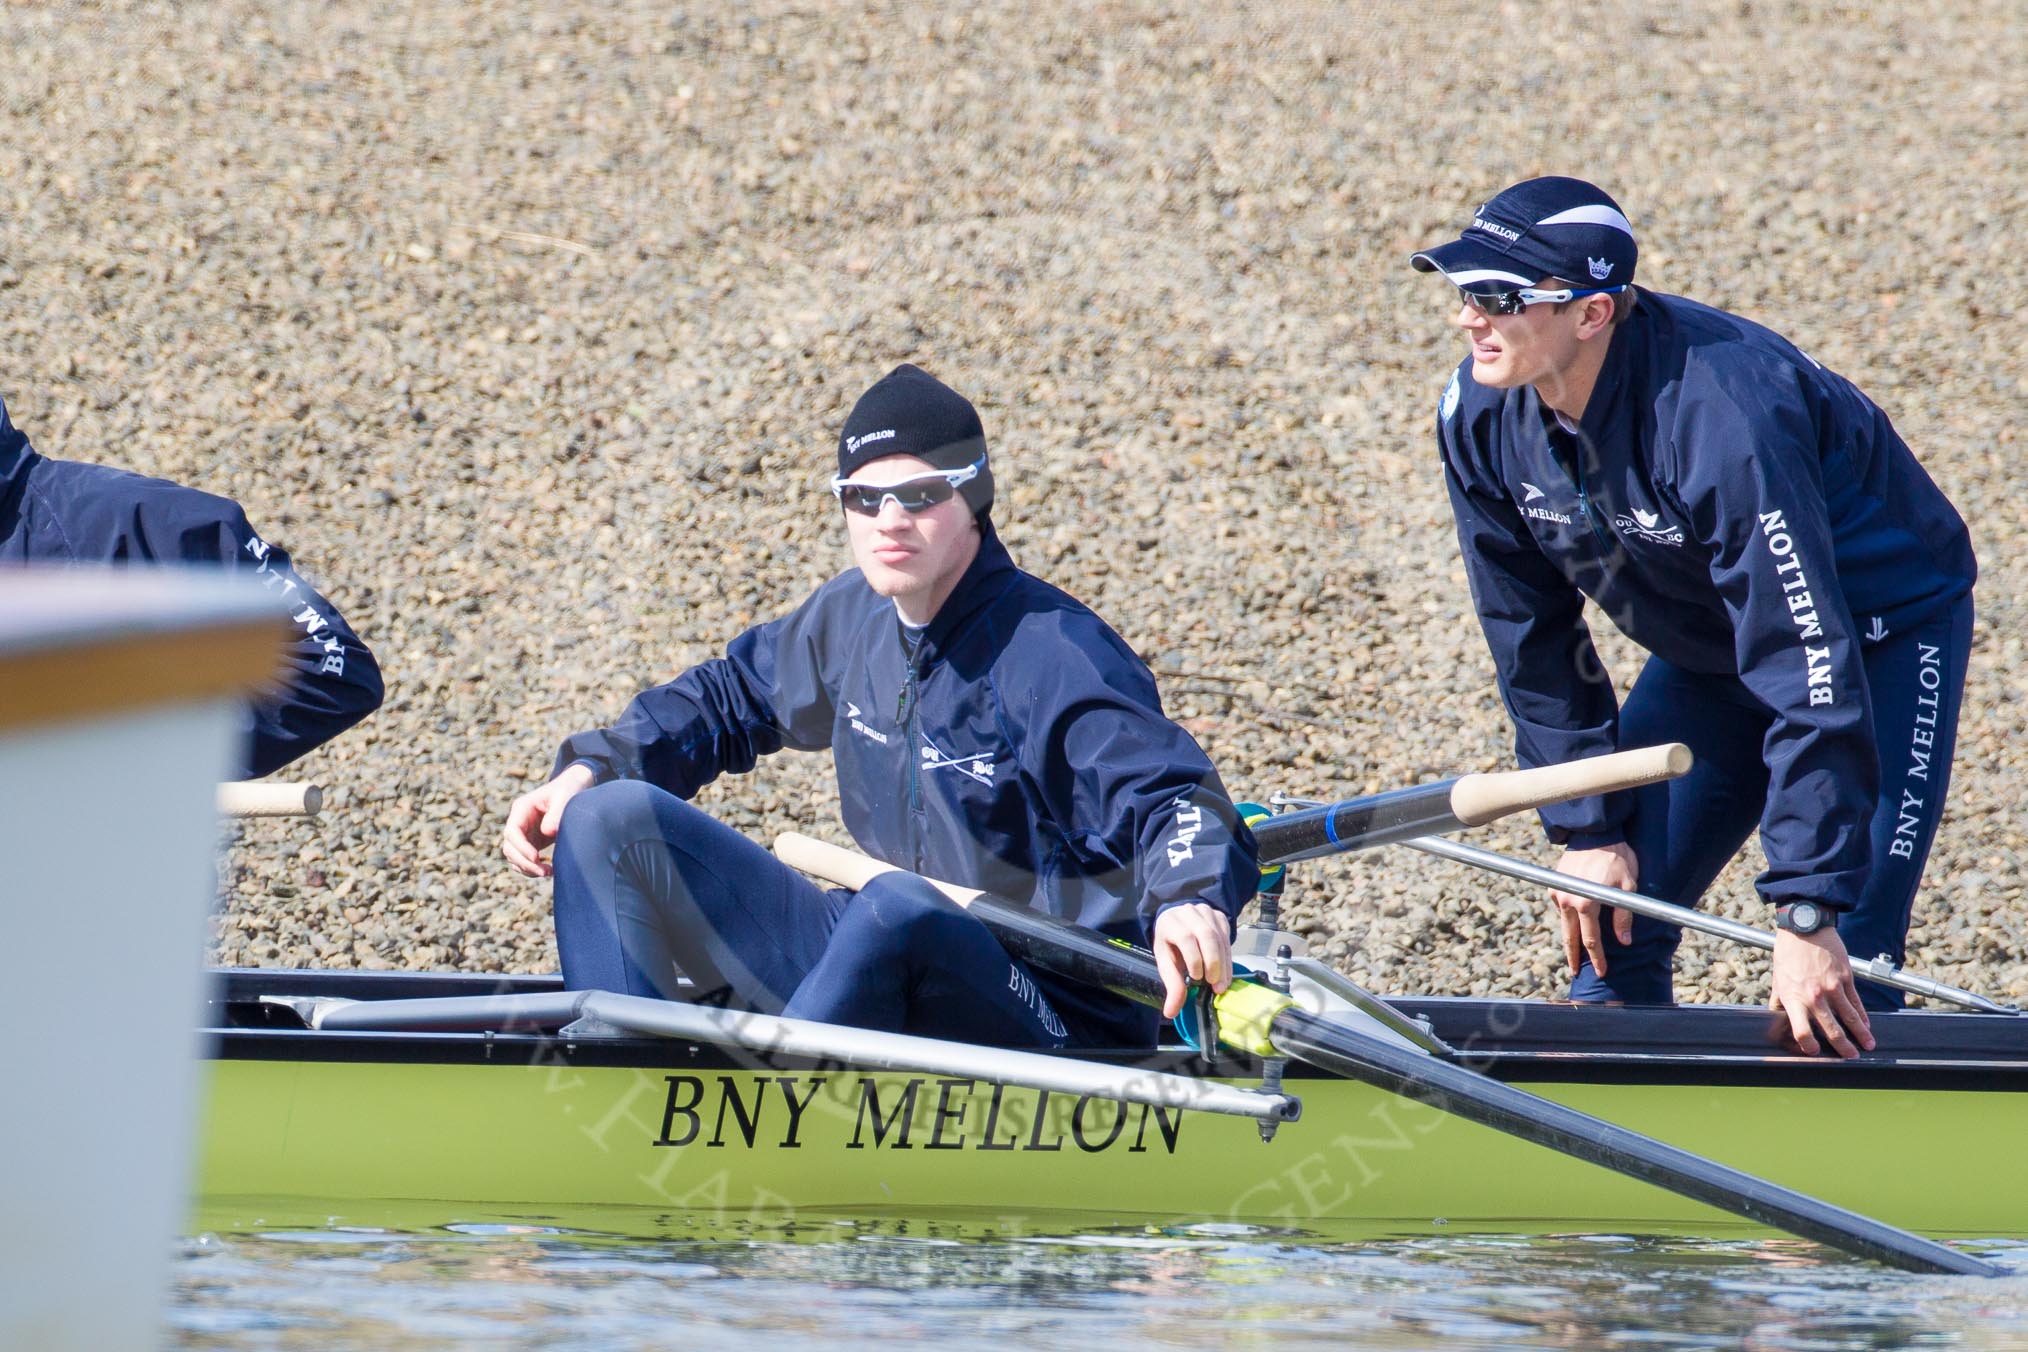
(529, 1127)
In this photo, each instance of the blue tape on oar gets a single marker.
(1270, 878)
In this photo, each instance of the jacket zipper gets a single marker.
(1576, 471)
(1584, 505)
(906, 713)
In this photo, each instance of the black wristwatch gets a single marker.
(1804, 917)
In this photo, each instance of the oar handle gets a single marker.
(1067, 949)
(270, 800)
(848, 868)
(1478, 799)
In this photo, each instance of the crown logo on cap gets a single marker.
(1600, 269)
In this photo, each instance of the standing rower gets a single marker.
(987, 730)
(1752, 520)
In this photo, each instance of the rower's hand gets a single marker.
(1612, 865)
(536, 817)
(1192, 943)
(1813, 985)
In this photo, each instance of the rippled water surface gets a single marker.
(273, 1278)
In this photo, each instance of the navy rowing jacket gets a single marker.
(1734, 508)
(1024, 751)
(58, 511)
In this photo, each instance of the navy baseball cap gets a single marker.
(908, 411)
(1543, 227)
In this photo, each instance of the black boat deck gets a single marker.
(1516, 1040)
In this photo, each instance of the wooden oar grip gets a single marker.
(1478, 799)
(848, 868)
(270, 800)
(1069, 950)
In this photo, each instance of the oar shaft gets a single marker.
(1081, 955)
(1071, 951)
(1453, 804)
(1882, 973)
(1288, 1030)
(1454, 1089)
(1356, 824)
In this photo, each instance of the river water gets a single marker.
(256, 1276)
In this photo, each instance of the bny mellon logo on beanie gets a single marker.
(910, 412)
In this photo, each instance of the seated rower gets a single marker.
(63, 512)
(986, 729)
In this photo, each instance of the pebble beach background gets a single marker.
(529, 332)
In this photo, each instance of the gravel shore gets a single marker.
(528, 334)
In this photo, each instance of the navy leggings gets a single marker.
(1685, 831)
(649, 887)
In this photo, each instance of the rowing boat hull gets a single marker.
(1930, 1142)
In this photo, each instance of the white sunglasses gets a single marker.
(918, 493)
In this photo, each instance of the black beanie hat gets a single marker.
(910, 412)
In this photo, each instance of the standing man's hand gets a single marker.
(1192, 943)
(1813, 985)
(536, 817)
(1612, 865)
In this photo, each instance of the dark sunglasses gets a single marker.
(1513, 302)
(917, 494)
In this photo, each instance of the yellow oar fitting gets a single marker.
(1244, 1013)
(1253, 814)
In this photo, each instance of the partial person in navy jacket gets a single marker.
(62, 512)
(1753, 521)
(986, 729)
